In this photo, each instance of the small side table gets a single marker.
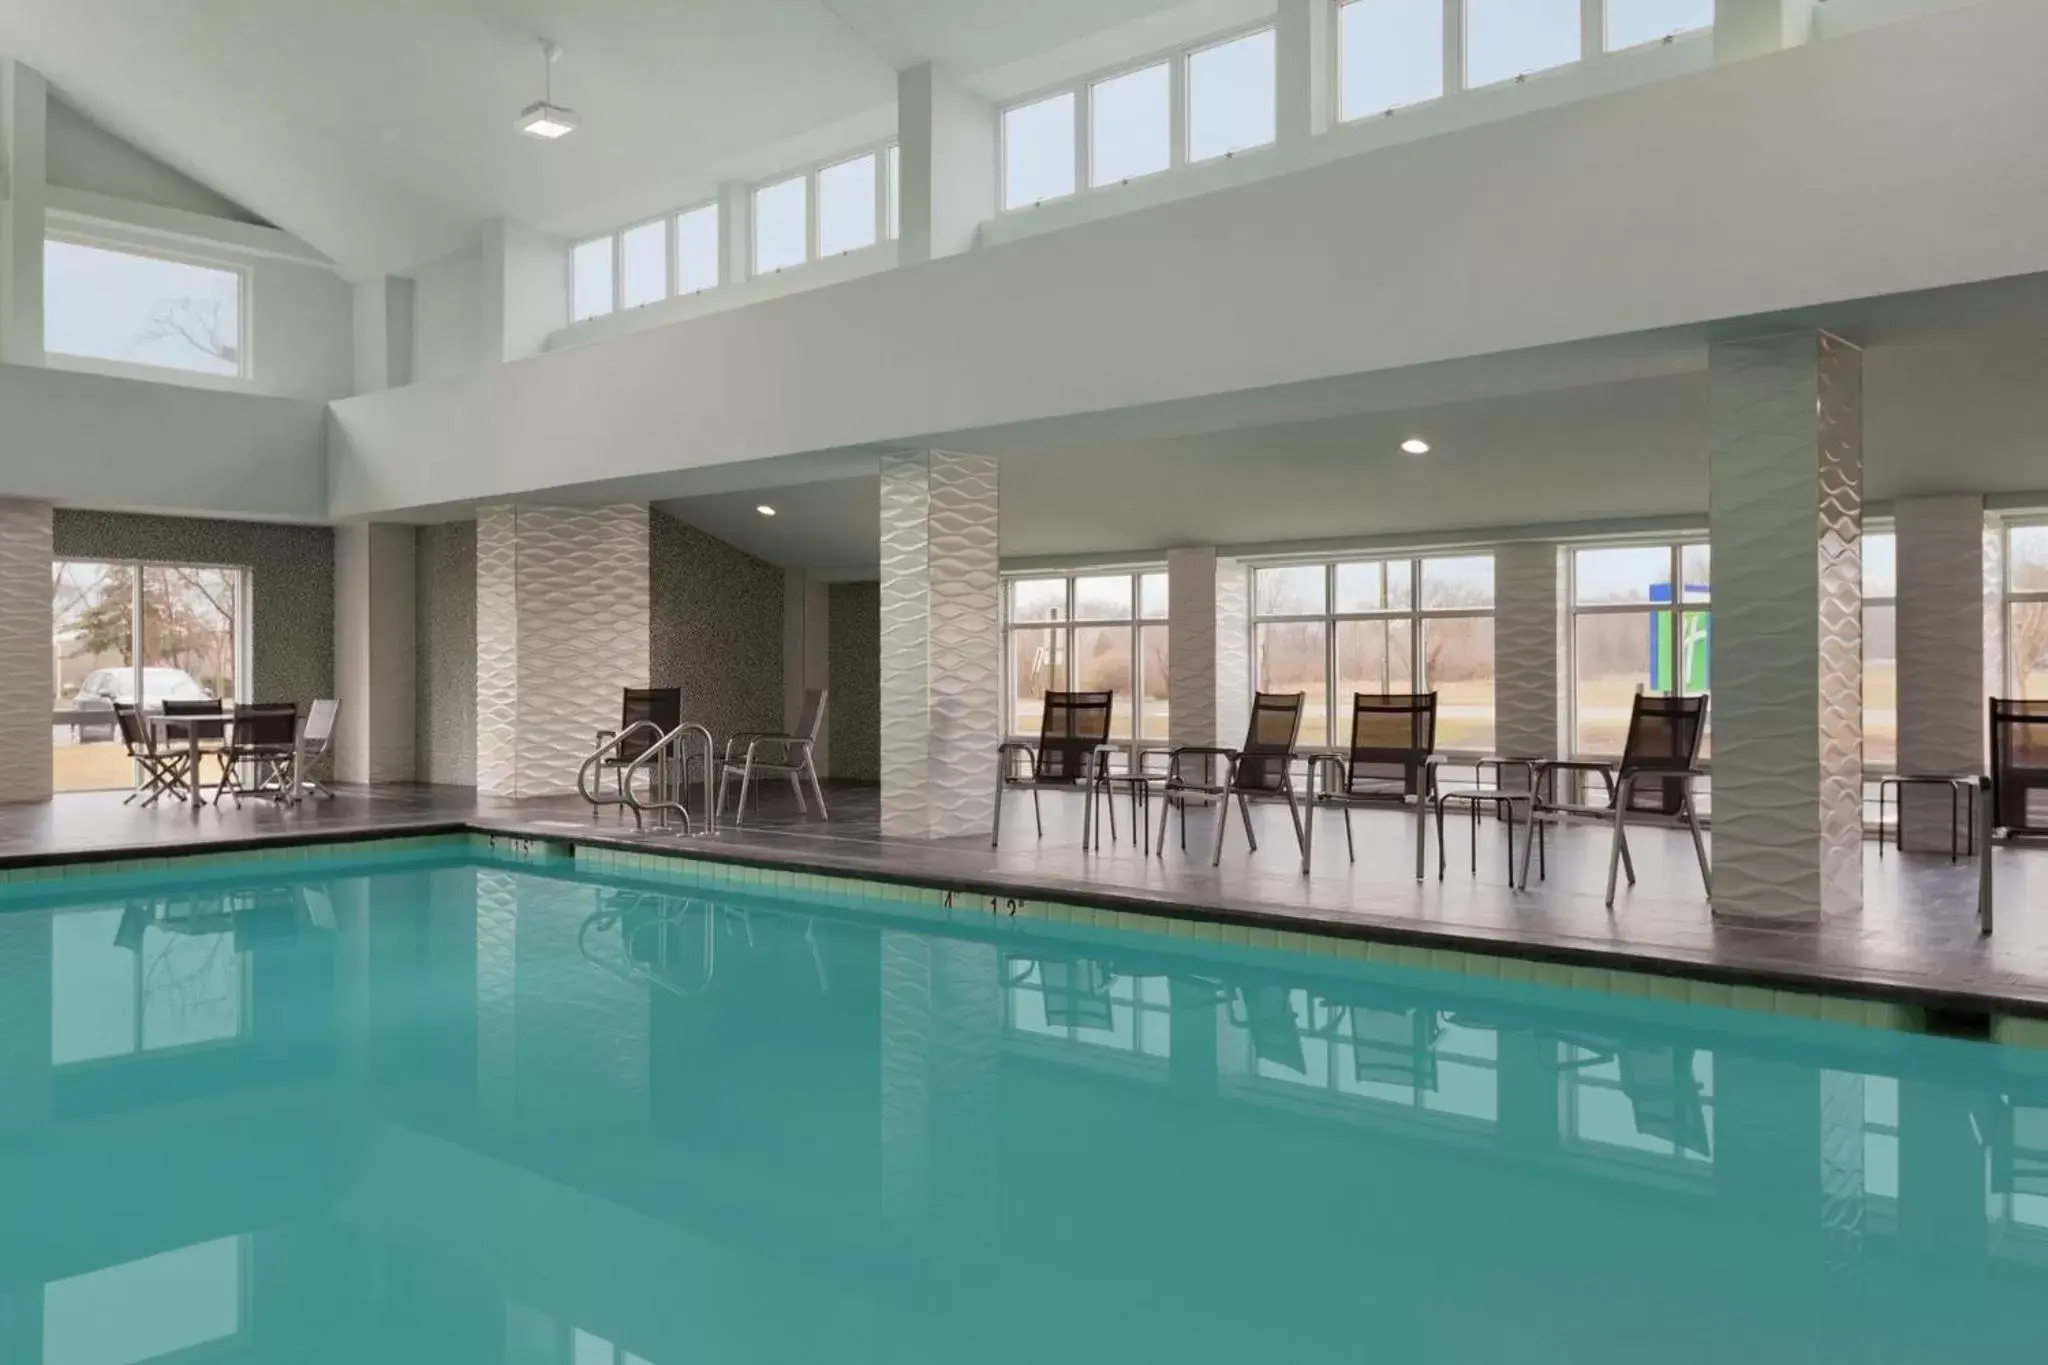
(1958, 787)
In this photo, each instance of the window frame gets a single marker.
(667, 222)
(1082, 88)
(1872, 528)
(1677, 543)
(57, 230)
(1067, 624)
(2009, 597)
(1446, 87)
(809, 174)
(675, 248)
(1592, 15)
(1331, 617)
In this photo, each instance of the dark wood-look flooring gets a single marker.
(1915, 936)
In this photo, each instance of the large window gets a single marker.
(2026, 610)
(1641, 622)
(130, 308)
(1122, 123)
(782, 225)
(1507, 39)
(1880, 650)
(1631, 23)
(1390, 53)
(1101, 632)
(176, 1306)
(1331, 629)
(123, 983)
(127, 632)
(841, 207)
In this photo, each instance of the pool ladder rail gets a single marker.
(666, 765)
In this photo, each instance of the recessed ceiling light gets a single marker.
(765, 510)
(1415, 445)
(544, 119)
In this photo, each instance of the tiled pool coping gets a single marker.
(1817, 996)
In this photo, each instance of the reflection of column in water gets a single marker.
(942, 1020)
(497, 1048)
(24, 1021)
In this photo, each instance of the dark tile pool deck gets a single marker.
(1915, 937)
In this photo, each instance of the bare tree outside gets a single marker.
(206, 325)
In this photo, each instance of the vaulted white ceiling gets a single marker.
(381, 131)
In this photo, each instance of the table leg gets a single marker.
(1308, 815)
(192, 753)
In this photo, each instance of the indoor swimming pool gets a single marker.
(438, 1106)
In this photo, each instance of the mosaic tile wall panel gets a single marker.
(941, 643)
(24, 651)
(854, 655)
(1785, 478)
(444, 631)
(1940, 653)
(562, 626)
(715, 628)
(1528, 639)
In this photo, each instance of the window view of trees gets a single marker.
(1880, 650)
(1334, 629)
(1627, 638)
(1089, 633)
(2026, 621)
(103, 304)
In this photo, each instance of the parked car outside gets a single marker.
(102, 687)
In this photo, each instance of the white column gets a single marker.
(24, 193)
(1750, 28)
(948, 139)
(1941, 653)
(1207, 653)
(1785, 481)
(1528, 649)
(526, 289)
(1305, 67)
(561, 627)
(26, 667)
(941, 643)
(374, 621)
(806, 660)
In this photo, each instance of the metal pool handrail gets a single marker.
(597, 756)
(670, 784)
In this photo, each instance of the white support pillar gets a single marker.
(1941, 653)
(735, 232)
(25, 664)
(1750, 28)
(806, 657)
(561, 627)
(374, 619)
(1207, 683)
(1306, 66)
(1785, 480)
(948, 177)
(942, 714)
(24, 197)
(526, 289)
(383, 333)
(1528, 649)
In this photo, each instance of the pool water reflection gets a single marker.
(475, 1114)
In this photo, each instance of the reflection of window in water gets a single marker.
(121, 984)
(1378, 1050)
(1652, 1098)
(146, 1309)
(591, 1349)
(1084, 1002)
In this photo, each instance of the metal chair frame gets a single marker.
(791, 756)
(1260, 771)
(1070, 755)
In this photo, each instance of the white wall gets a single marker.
(447, 317)
(1664, 206)
(84, 156)
(95, 441)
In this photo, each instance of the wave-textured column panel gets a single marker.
(1941, 712)
(1528, 651)
(941, 652)
(1233, 652)
(25, 556)
(1785, 485)
(1191, 690)
(562, 626)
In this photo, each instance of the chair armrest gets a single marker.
(1015, 746)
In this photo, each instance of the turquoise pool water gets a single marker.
(456, 1112)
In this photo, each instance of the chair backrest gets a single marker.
(1073, 727)
(811, 719)
(1392, 736)
(1664, 735)
(267, 725)
(320, 719)
(210, 706)
(661, 705)
(1269, 742)
(134, 733)
(2019, 764)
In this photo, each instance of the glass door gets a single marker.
(92, 651)
(189, 621)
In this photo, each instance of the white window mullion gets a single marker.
(1177, 106)
(618, 240)
(1454, 46)
(1592, 29)
(1084, 125)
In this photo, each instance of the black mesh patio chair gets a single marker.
(645, 715)
(1392, 761)
(1260, 771)
(161, 770)
(1073, 739)
(258, 758)
(1657, 1079)
(2019, 767)
(1653, 779)
(1076, 992)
